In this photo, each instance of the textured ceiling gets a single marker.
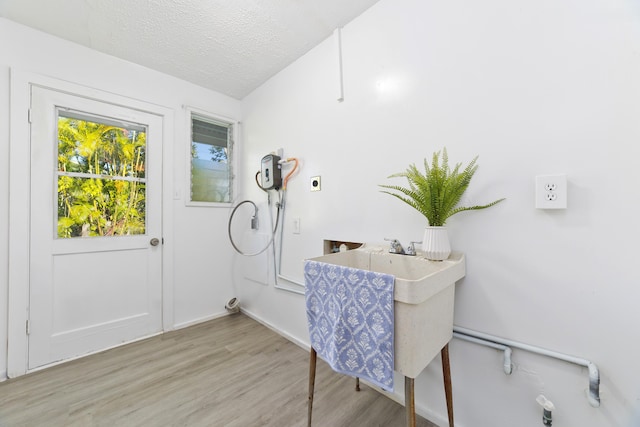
(230, 46)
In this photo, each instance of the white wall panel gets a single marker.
(532, 88)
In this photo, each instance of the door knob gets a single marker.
(155, 241)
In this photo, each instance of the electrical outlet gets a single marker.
(551, 191)
(296, 226)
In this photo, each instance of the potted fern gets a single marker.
(436, 194)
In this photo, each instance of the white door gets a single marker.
(95, 226)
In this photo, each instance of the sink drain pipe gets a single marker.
(481, 338)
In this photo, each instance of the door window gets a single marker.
(101, 176)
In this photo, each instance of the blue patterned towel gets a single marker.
(350, 315)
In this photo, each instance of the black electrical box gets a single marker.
(271, 172)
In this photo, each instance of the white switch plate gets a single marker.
(296, 226)
(551, 191)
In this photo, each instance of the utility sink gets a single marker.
(424, 294)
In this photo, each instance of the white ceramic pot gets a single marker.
(435, 243)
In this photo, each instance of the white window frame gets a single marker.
(233, 162)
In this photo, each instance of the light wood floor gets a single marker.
(230, 371)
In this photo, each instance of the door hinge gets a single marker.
(29, 115)
(28, 327)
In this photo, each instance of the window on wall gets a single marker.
(211, 160)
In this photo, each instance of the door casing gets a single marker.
(19, 173)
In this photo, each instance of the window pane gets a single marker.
(101, 177)
(100, 207)
(210, 161)
(98, 148)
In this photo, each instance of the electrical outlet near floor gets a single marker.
(551, 191)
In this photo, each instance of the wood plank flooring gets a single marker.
(228, 372)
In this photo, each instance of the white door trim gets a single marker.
(19, 209)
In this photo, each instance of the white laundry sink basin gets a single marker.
(423, 293)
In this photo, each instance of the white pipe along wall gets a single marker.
(534, 88)
(502, 344)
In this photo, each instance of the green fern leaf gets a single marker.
(437, 192)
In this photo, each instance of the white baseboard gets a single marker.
(199, 320)
(299, 343)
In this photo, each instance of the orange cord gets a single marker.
(286, 179)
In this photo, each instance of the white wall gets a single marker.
(200, 268)
(532, 88)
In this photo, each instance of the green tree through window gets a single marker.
(101, 178)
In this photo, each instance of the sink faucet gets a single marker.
(411, 249)
(396, 247)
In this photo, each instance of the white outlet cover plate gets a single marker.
(316, 183)
(551, 199)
